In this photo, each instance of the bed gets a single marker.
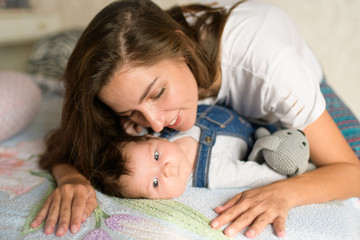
(24, 187)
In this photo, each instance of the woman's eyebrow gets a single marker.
(147, 90)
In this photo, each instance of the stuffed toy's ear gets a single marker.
(261, 132)
(265, 143)
(285, 151)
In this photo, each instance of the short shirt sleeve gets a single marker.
(269, 72)
(293, 95)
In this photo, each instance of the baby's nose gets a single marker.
(169, 170)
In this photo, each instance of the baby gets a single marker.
(212, 154)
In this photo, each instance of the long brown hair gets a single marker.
(135, 32)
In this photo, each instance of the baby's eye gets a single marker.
(156, 156)
(155, 182)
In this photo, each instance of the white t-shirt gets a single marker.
(227, 166)
(268, 71)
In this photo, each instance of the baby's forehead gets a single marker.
(146, 141)
(133, 149)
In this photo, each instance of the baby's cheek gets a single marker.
(179, 191)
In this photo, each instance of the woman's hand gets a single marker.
(131, 127)
(68, 205)
(255, 208)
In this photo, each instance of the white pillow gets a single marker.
(20, 101)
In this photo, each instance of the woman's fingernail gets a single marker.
(229, 232)
(73, 228)
(214, 224)
(217, 209)
(34, 224)
(281, 233)
(250, 234)
(48, 229)
(60, 231)
(84, 217)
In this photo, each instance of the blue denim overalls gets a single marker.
(214, 120)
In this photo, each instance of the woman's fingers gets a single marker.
(64, 219)
(91, 204)
(228, 204)
(253, 209)
(259, 225)
(40, 217)
(53, 213)
(256, 221)
(279, 225)
(67, 206)
(226, 215)
(262, 221)
(77, 211)
(65, 210)
(241, 218)
(83, 205)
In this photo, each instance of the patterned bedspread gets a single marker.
(24, 187)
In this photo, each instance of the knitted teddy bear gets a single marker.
(286, 151)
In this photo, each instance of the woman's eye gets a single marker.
(160, 94)
(155, 182)
(156, 156)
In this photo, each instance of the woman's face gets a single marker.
(162, 95)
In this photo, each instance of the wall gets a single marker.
(331, 27)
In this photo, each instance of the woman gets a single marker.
(135, 67)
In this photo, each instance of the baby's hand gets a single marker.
(68, 205)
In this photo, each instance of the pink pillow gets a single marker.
(20, 101)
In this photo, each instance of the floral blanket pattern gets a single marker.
(24, 187)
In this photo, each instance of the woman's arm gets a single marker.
(336, 177)
(69, 204)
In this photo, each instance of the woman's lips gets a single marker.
(176, 122)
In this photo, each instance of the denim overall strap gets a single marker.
(215, 121)
(167, 133)
(224, 121)
(201, 169)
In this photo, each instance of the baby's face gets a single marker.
(159, 169)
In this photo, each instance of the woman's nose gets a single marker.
(155, 120)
